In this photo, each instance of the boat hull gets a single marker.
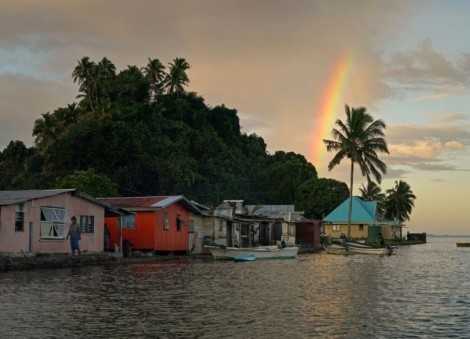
(269, 252)
(338, 249)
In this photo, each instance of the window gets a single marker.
(19, 218)
(166, 221)
(52, 223)
(87, 224)
(128, 221)
(336, 228)
(361, 227)
(179, 223)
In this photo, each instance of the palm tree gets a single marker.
(156, 76)
(177, 77)
(373, 192)
(106, 73)
(85, 74)
(399, 202)
(359, 139)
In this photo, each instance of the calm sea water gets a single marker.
(423, 292)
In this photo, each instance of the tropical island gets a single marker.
(137, 131)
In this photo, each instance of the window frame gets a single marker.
(87, 224)
(55, 226)
(128, 221)
(19, 221)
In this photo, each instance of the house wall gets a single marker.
(206, 226)
(288, 233)
(308, 234)
(149, 233)
(141, 236)
(11, 241)
(14, 242)
(172, 239)
(390, 232)
(356, 232)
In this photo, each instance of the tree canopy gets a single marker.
(137, 131)
(399, 202)
(89, 182)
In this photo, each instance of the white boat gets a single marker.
(262, 252)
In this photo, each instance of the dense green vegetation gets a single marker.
(137, 132)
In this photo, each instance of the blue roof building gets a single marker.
(366, 223)
(363, 212)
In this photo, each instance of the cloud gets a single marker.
(428, 147)
(432, 97)
(24, 98)
(270, 59)
(425, 67)
(395, 173)
(409, 133)
(449, 118)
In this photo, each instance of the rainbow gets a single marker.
(329, 107)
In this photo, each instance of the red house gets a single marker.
(161, 223)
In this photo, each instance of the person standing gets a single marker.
(74, 235)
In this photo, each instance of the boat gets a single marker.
(357, 248)
(336, 249)
(243, 258)
(261, 252)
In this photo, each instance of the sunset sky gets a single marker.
(275, 61)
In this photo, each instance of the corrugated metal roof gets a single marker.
(17, 197)
(272, 211)
(363, 212)
(286, 212)
(133, 202)
(149, 202)
(22, 196)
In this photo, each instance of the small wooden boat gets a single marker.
(261, 252)
(337, 249)
(243, 258)
(359, 249)
(463, 244)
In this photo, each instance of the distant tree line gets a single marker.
(138, 131)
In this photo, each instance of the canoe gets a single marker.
(262, 252)
(242, 258)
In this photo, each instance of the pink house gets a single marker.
(37, 221)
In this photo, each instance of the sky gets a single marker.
(274, 61)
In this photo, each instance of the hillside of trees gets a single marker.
(138, 131)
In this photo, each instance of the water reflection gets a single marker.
(422, 292)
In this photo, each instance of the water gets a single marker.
(423, 292)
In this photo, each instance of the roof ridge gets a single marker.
(140, 197)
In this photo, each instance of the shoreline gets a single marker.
(57, 261)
